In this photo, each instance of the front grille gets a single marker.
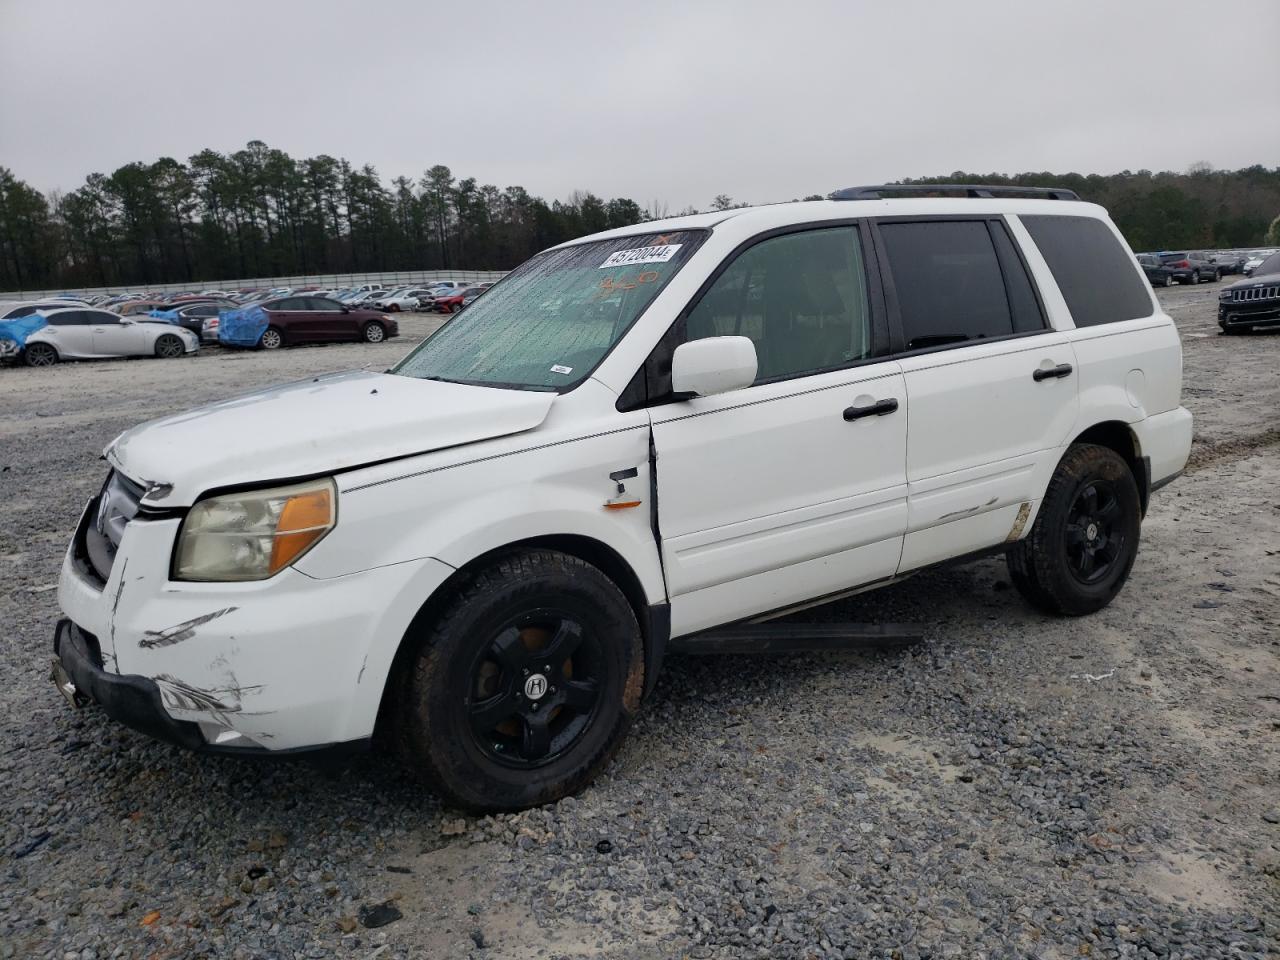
(105, 521)
(1255, 293)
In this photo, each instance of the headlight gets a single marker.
(256, 534)
(1224, 295)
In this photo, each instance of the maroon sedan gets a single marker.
(301, 319)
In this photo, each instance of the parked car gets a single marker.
(1191, 267)
(410, 299)
(14, 309)
(1229, 263)
(1159, 274)
(88, 333)
(1253, 302)
(295, 320)
(1255, 260)
(470, 294)
(449, 301)
(192, 316)
(132, 308)
(642, 436)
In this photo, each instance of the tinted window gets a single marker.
(1092, 269)
(1268, 266)
(100, 317)
(17, 312)
(72, 318)
(287, 303)
(323, 305)
(948, 281)
(801, 298)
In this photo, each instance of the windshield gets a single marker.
(549, 323)
(1268, 266)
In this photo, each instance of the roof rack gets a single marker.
(969, 190)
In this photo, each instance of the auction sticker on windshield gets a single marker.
(658, 254)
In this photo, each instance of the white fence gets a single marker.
(326, 280)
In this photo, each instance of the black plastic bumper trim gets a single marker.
(135, 701)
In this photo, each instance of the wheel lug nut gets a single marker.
(547, 668)
(526, 671)
(552, 690)
(535, 707)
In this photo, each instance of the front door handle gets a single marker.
(1046, 373)
(877, 409)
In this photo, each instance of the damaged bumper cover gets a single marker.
(292, 664)
(131, 700)
(136, 702)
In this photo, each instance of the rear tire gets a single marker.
(478, 721)
(272, 339)
(169, 347)
(1195, 277)
(1168, 281)
(373, 332)
(1085, 539)
(40, 355)
(1217, 275)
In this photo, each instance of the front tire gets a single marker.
(373, 332)
(40, 355)
(523, 686)
(272, 339)
(1085, 539)
(169, 347)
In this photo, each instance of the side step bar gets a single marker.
(796, 637)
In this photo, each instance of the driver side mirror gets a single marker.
(713, 365)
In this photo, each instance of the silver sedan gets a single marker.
(90, 334)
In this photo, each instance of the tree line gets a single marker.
(258, 212)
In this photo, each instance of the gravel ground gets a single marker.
(1014, 786)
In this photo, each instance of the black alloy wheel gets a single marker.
(1094, 537)
(1082, 546)
(534, 688)
(519, 685)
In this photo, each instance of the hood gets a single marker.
(1257, 280)
(315, 426)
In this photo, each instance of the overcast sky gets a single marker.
(674, 102)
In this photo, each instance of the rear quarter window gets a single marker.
(1092, 269)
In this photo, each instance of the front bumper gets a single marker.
(131, 700)
(281, 665)
(1234, 316)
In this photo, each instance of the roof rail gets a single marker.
(969, 190)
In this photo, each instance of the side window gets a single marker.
(1092, 269)
(950, 285)
(72, 318)
(323, 305)
(800, 297)
(99, 317)
(18, 312)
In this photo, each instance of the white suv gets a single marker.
(633, 439)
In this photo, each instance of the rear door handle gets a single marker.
(1042, 373)
(877, 409)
